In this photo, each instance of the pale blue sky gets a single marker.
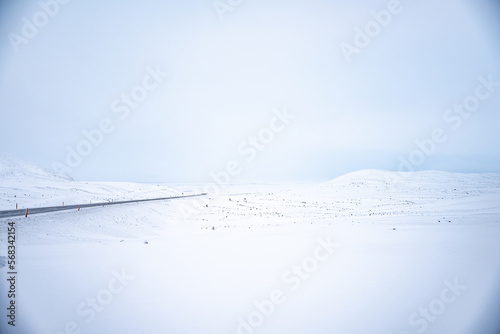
(225, 77)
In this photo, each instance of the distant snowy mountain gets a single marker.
(423, 179)
(14, 167)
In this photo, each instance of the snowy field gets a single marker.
(368, 252)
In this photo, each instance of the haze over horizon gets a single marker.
(269, 91)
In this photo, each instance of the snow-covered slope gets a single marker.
(362, 197)
(29, 186)
(12, 167)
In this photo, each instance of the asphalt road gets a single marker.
(34, 211)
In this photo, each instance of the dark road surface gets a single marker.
(34, 211)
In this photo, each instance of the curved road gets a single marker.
(34, 211)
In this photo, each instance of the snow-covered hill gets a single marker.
(12, 167)
(28, 186)
(362, 197)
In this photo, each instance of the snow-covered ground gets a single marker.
(29, 186)
(369, 252)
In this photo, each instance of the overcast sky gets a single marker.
(170, 91)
